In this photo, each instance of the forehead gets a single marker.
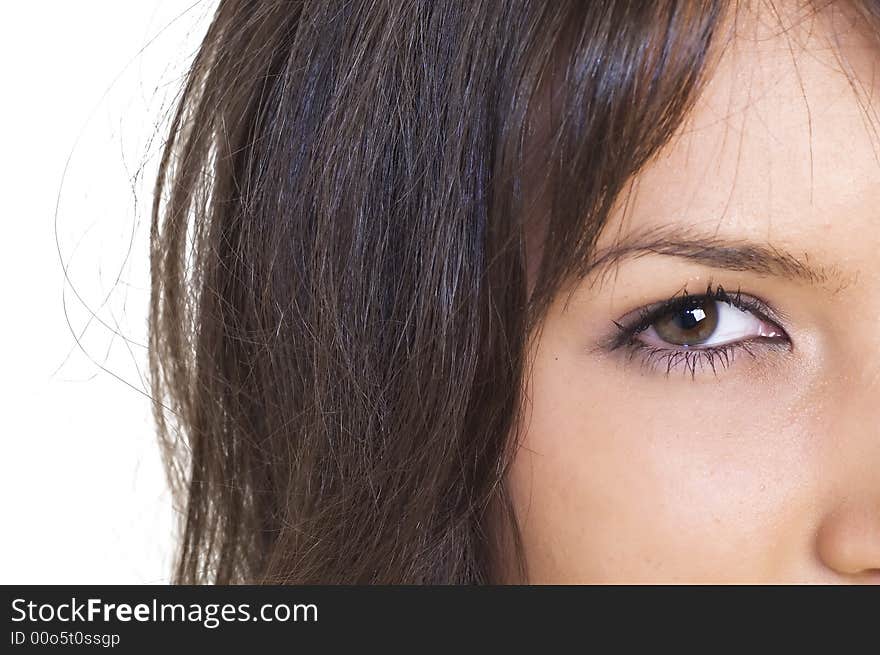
(782, 144)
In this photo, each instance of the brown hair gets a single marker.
(341, 294)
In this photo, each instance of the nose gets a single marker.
(848, 537)
(849, 540)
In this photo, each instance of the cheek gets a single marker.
(629, 477)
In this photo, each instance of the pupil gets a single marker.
(690, 318)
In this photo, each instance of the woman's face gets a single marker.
(735, 437)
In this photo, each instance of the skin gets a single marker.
(767, 470)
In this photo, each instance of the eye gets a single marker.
(705, 323)
(699, 333)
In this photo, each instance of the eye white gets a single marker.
(734, 324)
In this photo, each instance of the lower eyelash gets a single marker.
(693, 360)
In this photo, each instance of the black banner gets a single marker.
(253, 619)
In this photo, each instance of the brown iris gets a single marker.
(690, 325)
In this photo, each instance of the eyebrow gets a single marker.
(717, 252)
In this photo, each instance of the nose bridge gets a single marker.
(857, 424)
(854, 371)
(867, 362)
(869, 358)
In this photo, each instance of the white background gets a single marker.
(86, 85)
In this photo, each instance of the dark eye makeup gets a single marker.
(677, 334)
